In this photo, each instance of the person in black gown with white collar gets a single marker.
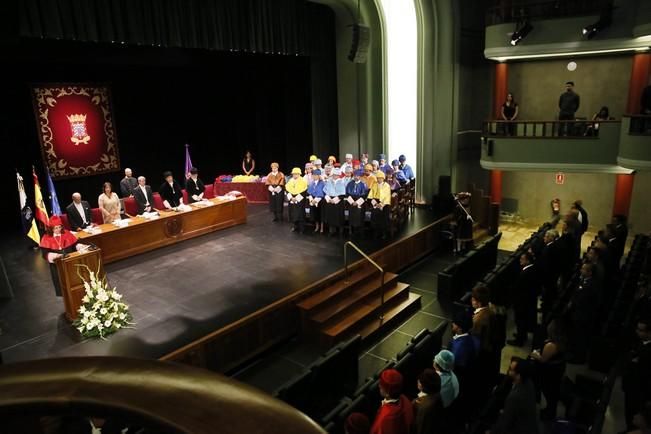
(170, 192)
(194, 186)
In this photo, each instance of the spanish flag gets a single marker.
(41, 211)
(27, 217)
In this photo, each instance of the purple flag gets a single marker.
(188, 161)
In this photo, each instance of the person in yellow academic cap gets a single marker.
(296, 189)
(380, 202)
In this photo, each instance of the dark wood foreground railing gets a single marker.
(514, 11)
(162, 397)
(544, 128)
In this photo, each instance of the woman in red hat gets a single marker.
(55, 243)
(396, 414)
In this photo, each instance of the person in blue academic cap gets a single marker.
(406, 168)
(382, 163)
(315, 195)
(356, 190)
(398, 174)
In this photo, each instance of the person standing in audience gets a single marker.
(275, 184)
(406, 168)
(194, 186)
(396, 414)
(621, 234)
(356, 190)
(549, 269)
(296, 189)
(463, 345)
(357, 423)
(109, 204)
(519, 415)
(636, 378)
(525, 300)
(484, 327)
(583, 215)
(444, 366)
(550, 362)
(128, 183)
(510, 111)
(568, 105)
(248, 164)
(79, 214)
(380, 199)
(170, 191)
(144, 196)
(315, 197)
(428, 406)
(583, 309)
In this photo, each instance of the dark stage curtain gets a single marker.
(258, 26)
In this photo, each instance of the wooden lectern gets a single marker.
(72, 287)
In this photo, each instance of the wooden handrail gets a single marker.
(172, 398)
(375, 264)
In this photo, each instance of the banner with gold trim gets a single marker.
(76, 129)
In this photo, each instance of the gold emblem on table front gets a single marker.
(173, 227)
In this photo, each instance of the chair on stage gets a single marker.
(209, 192)
(96, 216)
(158, 202)
(64, 220)
(130, 207)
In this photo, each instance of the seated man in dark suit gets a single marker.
(144, 196)
(170, 191)
(78, 212)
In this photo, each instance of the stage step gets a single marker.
(397, 299)
(337, 308)
(392, 317)
(340, 287)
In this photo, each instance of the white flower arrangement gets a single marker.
(102, 312)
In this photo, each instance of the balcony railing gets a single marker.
(640, 125)
(575, 129)
(511, 12)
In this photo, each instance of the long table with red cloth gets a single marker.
(255, 192)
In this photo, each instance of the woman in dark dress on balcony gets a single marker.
(510, 111)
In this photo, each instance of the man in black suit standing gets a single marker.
(636, 380)
(583, 309)
(128, 183)
(620, 232)
(583, 215)
(525, 300)
(549, 267)
(144, 196)
(520, 415)
(78, 212)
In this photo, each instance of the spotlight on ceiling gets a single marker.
(605, 20)
(521, 33)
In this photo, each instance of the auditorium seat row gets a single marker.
(461, 276)
(130, 208)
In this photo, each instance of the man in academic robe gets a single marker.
(406, 168)
(347, 163)
(525, 300)
(333, 208)
(194, 187)
(79, 214)
(128, 183)
(382, 162)
(275, 184)
(380, 201)
(296, 189)
(356, 190)
(369, 178)
(54, 244)
(170, 192)
(144, 196)
(315, 196)
(396, 414)
(398, 174)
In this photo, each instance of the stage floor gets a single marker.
(177, 294)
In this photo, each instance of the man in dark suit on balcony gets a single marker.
(78, 212)
(144, 196)
(568, 104)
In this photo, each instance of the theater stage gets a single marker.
(177, 293)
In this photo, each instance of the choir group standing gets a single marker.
(332, 195)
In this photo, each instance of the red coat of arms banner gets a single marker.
(76, 130)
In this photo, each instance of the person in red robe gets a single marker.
(396, 414)
(54, 244)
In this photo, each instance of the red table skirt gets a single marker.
(255, 192)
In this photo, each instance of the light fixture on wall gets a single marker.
(521, 32)
(605, 20)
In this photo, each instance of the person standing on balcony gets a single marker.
(568, 104)
(510, 111)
